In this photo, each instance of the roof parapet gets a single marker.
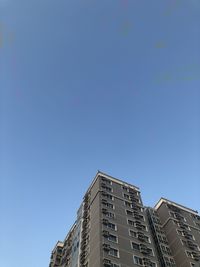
(164, 200)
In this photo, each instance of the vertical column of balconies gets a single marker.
(160, 239)
(107, 218)
(145, 247)
(183, 230)
(85, 231)
(56, 255)
(196, 220)
(67, 250)
(137, 210)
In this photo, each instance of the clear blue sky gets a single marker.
(112, 85)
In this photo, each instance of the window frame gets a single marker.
(112, 248)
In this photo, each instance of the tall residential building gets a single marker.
(114, 229)
(182, 228)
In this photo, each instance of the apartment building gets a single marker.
(182, 228)
(162, 244)
(114, 229)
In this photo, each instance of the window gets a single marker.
(132, 233)
(177, 216)
(174, 208)
(180, 232)
(135, 246)
(195, 216)
(141, 236)
(127, 204)
(140, 226)
(106, 181)
(112, 226)
(113, 238)
(166, 250)
(114, 252)
(137, 260)
(185, 234)
(110, 197)
(162, 239)
(139, 217)
(132, 223)
(189, 254)
(156, 220)
(109, 205)
(135, 207)
(110, 215)
(106, 188)
(126, 196)
(107, 196)
(130, 213)
(159, 229)
(125, 188)
(109, 263)
(190, 244)
(169, 262)
(146, 250)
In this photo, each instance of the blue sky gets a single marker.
(112, 85)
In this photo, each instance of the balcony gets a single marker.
(178, 216)
(105, 221)
(104, 211)
(106, 263)
(106, 247)
(106, 233)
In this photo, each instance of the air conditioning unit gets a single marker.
(144, 249)
(178, 216)
(104, 211)
(141, 237)
(182, 225)
(106, 263)
(138, 226)
(191, 244)
(147, 264)
(135, 208)
(187, 237)
(138, 217)
(106, 247)
(196, 258)
(132, 191)
(106, 233)
(105, 221)
(146, 261)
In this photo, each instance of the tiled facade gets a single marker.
(114, 229)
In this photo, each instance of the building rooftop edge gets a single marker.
(113, 179)
(165, 200)
(59, 243)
